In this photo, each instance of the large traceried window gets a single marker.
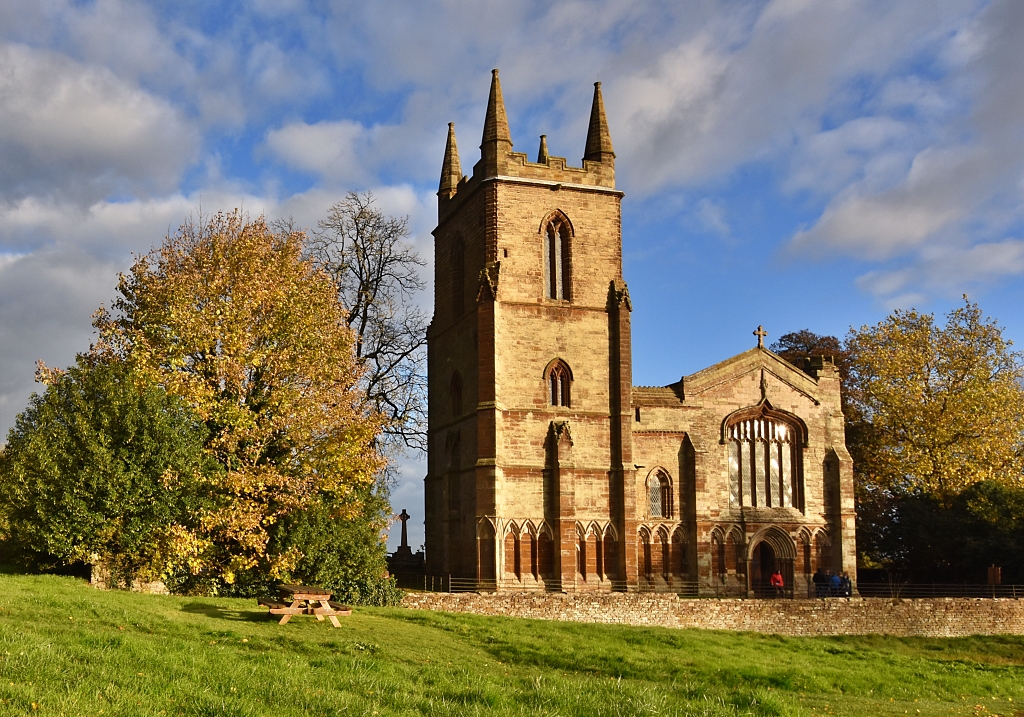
(763, 463)
(557, 260)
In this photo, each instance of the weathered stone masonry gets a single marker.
(546, 468)
(933, 617)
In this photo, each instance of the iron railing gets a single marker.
(938, 590)
(449, 584)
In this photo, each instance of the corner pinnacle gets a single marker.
(599, 139)
(496, 121)
(451, 170)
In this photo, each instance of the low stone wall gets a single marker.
(930, 617)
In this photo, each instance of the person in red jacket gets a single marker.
(777, 583)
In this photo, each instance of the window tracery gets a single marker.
(560, 384)
(557, 260)
(659, 495)
(763, 463)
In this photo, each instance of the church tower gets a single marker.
(530, 477)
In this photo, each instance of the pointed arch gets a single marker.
(764, 457)
(556, 215)
(805, 550)
(659, 493)
(781, 542)
(558, 376)
(545, 551)
(557, 234)
(486, 558)
(513, 552)
(764, 409)
(610, 552)
(677, 554)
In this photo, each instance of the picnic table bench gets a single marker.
(305, 600)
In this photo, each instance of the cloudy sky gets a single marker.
(792, 163)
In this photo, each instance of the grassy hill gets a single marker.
(68, 649)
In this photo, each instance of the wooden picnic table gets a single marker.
(305, 600)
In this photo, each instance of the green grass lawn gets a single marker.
(68, 649)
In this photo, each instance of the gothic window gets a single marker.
(763, 463)
(458, 276)
(559, 384)
(456, 395)
(557, 260)
(659, 493)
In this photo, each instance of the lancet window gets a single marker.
(557, 260)
(763, 463)
(659, 494)
(560, 384)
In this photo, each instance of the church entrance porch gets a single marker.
(763, 563)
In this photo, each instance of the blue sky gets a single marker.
(793, 163)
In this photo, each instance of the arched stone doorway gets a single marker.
(773, 550)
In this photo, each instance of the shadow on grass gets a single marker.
(222, 613)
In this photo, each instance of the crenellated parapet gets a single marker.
(498, 161)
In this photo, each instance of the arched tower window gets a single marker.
(458, 277)
(659, 493)
(456, 395)
(557, 260)
(560, 384)
(764, 462)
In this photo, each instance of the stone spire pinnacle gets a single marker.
(451, 170)
(542, 153)
(496, 121)
(599, 140)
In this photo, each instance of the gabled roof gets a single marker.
(756, 359)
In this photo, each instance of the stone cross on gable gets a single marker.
(760, 334)
(404, 517)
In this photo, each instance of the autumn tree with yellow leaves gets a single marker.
(230, 316)
(937, 408)
(935, 424)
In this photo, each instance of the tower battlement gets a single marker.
(498, 161)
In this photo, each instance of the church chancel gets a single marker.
(547, 469)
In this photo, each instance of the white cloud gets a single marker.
(79, 130)
(331, 149)
(946, 211)
(947, 271)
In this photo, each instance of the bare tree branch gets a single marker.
(377, 273)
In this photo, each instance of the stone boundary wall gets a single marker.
(929, 617)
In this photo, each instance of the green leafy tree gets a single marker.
(797, 346)
(228, 315)
(103, 466)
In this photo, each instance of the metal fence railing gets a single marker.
(716, 589)
(938, 590)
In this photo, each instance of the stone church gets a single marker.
(547, 469)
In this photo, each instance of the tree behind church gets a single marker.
(938, 415)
